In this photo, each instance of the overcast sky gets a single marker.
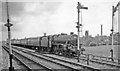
(33, 18)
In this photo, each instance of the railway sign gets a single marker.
(8, 24)
(115, 8)
(81, 6)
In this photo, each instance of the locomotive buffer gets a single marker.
(78, 27)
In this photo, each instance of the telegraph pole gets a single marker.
(8, 24)
(78, 27)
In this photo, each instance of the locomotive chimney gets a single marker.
(71, 33)
(44, 34)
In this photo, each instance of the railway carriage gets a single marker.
(23, 42)
(33, 42)
(15, 42)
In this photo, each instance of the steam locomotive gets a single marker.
(62, 44)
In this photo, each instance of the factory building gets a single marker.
(101, 30)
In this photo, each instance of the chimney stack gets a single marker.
(101, 30)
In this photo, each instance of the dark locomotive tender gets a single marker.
(62, 44)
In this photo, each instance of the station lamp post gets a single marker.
(78, 27)
(8, 25)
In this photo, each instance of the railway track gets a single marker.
(84, 61)
(67, 63)
(49, 63)
(98, 61)
(74, 65)
(29, 64)
(91, 61)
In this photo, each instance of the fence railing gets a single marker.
(102, 58)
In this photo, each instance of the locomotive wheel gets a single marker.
(60, 53)
(56, 52)
(65, 53)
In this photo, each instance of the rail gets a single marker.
(18, 59)
(81, 65)
(27, 65)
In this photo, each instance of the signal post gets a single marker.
(78, 27)
(11, 68)
(114, 9)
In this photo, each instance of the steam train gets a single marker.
(61, 44)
